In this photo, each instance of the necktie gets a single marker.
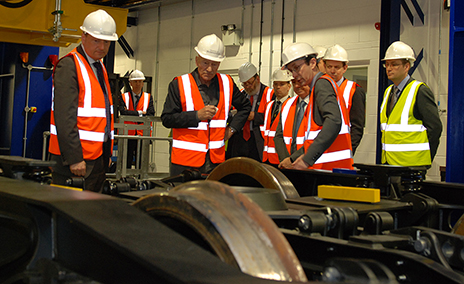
(101, 80)
(298, 120)
(276, 110)
(246, 127)
(136, 102)
(393, 98)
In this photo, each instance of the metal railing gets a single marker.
(143, 146)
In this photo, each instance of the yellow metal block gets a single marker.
(32, 23)
(358, 194)
(67, 187)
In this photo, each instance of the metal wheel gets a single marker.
(459, 227)
(248, 172)
(229, 224)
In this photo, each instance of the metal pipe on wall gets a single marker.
(294, 19)
(282, 32)
(191, 34)
(27, 109)
(271, 41)
(260, 36)
(251, 31)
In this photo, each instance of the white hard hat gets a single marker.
(101, 25)
(211, 47)
(246, 71)
(282, 75)
(400, 50)
(336, 53)
(320, 51)
(295, 51)
(136, 75)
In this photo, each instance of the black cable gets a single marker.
(7, 3)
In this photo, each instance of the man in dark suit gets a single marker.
(81, 124)
(249, 141)
(410, 124)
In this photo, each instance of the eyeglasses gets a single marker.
(249, 82)
(296, 68)
(392, 65)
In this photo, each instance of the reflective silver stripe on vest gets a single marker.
(285, 110)
(217, 123)
(347, 91)
(91, 136)
(201, 126)
(404, 126)
(188, 93)
(271, 150)
(227, 95)
(271, 133)
(334, 156)
(126, 100)
(87, 110)
(216, 144)
(406, 147)
(188, 145)
(146, 99)
(52, 129)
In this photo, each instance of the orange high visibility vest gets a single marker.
(268, 93)
(289, 108)
(91, 112)
(141, 105)
(189, 145)
(269, 152)
(347, 89)
(338, 155)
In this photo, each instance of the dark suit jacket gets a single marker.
(238, 146)
(326, 113)
(65, 110)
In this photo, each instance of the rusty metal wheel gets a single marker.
(243, 171)
(228, 224)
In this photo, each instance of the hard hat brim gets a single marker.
(113, 37)
(206, 56)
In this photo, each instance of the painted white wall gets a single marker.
(164, 39)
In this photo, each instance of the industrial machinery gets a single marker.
(246, 221)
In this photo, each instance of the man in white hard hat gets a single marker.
(135, 103)
(410, 123)
(336, 64)
(313, 132)
(249, 141)
(197, 109)
(319, 57)
(281, 85)
(81, 130)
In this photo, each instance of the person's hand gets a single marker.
(299, 164)
(286, 163)
(78, 169)
(251, 116)
(228, 133)
(207, 112)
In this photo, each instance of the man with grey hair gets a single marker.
(197, 109)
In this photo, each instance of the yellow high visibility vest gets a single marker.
(404, 137)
